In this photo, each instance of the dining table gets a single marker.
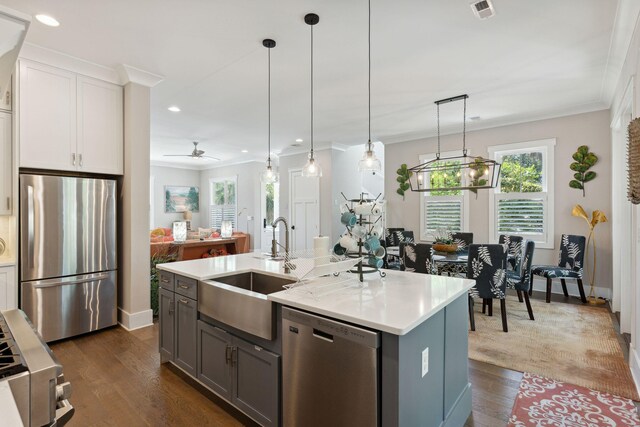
(451, 264)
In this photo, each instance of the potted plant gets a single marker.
(443, 241)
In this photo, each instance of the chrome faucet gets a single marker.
(275, 244)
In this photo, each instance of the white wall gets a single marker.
(248, 196)
(163, 176)
(590, 129)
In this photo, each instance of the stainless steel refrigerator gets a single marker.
(68, 259)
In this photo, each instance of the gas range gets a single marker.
(32, 373)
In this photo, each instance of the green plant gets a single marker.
(442, 236)
(584, 160)
(161, 257)
(404, 175)
(478, 172)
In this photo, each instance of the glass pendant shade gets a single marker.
(369, 161)
(269, 175)
(312, 169)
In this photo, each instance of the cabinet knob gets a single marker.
(73, 158)
(80, 158)
(8, 203)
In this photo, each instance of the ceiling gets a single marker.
(534, 59)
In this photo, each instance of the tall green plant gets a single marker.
(584, 160)
(404, 174)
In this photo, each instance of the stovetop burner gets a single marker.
(10, 360)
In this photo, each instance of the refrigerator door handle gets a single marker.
(30, 226)
(51, 283)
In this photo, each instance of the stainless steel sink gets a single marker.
(240, 300)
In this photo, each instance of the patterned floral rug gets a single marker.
(545, 402)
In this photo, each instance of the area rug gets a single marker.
(567, 342)
(545, 402)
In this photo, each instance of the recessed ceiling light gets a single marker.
(245, 151)
(299, 140)
(174, 109)
(48, 20)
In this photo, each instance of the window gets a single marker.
(270, 203)
(224, 205)
(522, 204)
(443, 208)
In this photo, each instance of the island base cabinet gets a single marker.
(166, 308)
(186, 334)
(214, 359)
(245, 374)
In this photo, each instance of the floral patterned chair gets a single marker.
(514, 258)
(464, 240)
(520, 278)
(570, 266)
(417, 257)
(487, 265)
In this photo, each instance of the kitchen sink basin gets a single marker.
(240, 300)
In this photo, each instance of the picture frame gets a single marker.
(181, 198)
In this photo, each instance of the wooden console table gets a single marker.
(194, 249)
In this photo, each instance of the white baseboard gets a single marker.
(634, 364)
(572, 288)
(131, 321)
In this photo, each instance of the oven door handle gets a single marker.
(61, 282)
(64, 412)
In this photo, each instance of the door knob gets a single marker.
(293, 227)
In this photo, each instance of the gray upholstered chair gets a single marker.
(520, 278)
(464, 240)
(570, 265)
(487, 265)
(417, 257)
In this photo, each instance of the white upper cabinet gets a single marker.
(6, 165)
(47, 120)
(68, 121)
(100, 132)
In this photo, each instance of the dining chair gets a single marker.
(462, 239)
(487, 265)
(417, 257)
(391, 236)
(520, 278)
(569, 267)
(514, 258)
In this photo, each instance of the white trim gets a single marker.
(132, 321)
(465, 195)
(548, 184)
(14, 14)
(129, 74)
(63, 61)
(634, 364)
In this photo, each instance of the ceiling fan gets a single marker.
(195, 154)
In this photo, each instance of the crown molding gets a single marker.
(58, 59)
(491, 124)
(129, 74)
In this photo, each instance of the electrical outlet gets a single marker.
(425, 361)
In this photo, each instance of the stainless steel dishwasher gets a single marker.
(330, 372)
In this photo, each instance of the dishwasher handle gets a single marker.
(322, 335)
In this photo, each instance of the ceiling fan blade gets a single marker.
(210, 157)
(177, 155)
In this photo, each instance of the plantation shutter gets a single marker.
(521, 213)
(221, 213)
(443, 212)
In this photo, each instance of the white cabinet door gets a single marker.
(8, 287)
(47, 117)
(5, 96)
(6, 165)
(100, 133)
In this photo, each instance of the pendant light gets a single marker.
(270, 174)
(312, 169)
(474, 172)
(369, 161)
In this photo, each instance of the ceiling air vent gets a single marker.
(483, 9)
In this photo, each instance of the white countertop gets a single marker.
(395, 304)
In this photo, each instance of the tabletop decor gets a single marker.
(633, 159)
(404, 175)
(443, 241)
(597, 217)
(584, 160)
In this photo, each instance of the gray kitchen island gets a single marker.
(389, 352)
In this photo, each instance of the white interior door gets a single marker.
(304, 206)
(622, 221)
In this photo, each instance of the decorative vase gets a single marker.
(442, 247)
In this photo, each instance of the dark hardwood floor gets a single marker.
(117, 380)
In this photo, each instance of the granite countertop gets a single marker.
(395, 304)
